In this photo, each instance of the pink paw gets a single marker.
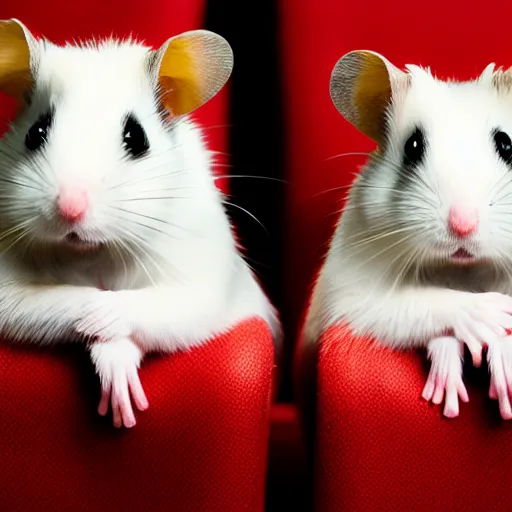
(117, 364)
(445, 377)
(499, 357)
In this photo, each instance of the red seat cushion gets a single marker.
(201, 445)
(381, 447)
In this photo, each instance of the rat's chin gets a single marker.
(75, 242)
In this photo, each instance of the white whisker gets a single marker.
(247, 212)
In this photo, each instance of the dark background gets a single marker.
(256, 144)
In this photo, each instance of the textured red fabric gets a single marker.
(381, 447)
(201, 445)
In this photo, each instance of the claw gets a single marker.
(492, 391)
(476, 354)
(439, 390)
(116, 413)
(105, 399)
(428, 390)
(462, 392)
(500, 364)
(138, 395)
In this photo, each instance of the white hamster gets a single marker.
(112, 228)
(422, 252)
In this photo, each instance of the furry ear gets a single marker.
(487, 75)
(502, 79)
(17, 46)
(363, 84)
(191, 68)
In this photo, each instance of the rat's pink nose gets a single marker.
(72, 204)
(462, 221)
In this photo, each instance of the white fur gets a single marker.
(172, 275)
(387, 272)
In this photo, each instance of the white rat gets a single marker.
(111, 226)
(422, 252)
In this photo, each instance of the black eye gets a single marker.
(37, 135)
(414, 149)
(134, 138)
(503, 146)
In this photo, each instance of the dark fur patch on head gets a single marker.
(406, 176)
(414, 149)
(152, 63)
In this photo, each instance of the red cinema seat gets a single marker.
(202, 444)
(377, 445)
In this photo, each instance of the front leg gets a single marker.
(46, 313)
(411, 316)
(131, 322)
(162, 318)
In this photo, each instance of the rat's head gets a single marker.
(441, 179)
(92, 156)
